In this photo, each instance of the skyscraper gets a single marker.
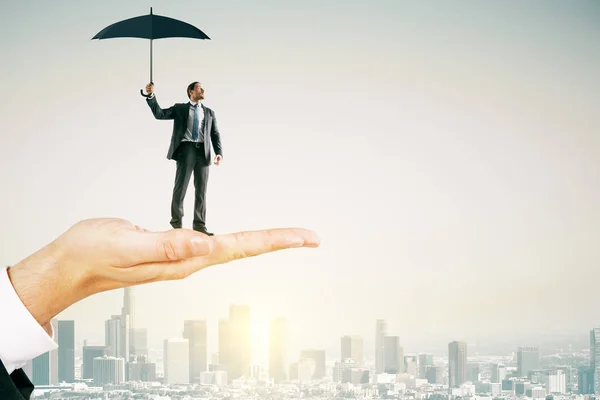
(195, 332)
(380, 333)
(528, 359)
(235, 342)
(66, 351)
(410, 365)
(114, 338)
(239, 317)
(457, 363)
(498, 373)
(127, 323)
(585, 382)
(277, 350)
(176, 361)
(393, 360)
(425, 360)
(595, 358)
(129, 305)
(138, 338)
(108, 370)
(89, 353)
(473, 372)
(319, 358)
(352, 347)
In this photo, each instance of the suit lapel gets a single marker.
(205, 124)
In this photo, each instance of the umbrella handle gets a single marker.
(142, 93)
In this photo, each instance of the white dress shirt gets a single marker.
(22, 338)
(187, 137)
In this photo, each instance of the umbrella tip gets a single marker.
(150, 10)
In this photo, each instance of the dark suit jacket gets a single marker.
(15, 386)
(179, 113)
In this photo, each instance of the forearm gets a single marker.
(216, 142)
(42, 286)
(159, 113)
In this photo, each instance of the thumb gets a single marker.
(171, 245)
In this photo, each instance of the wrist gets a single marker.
(43, 286)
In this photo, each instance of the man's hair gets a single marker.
(190, 88)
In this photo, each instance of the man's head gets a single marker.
(195, 91)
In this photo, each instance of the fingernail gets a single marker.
(200, 245)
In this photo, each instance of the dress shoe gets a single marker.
(203, 230)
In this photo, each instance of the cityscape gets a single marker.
(125, 368)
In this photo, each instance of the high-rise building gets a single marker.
(116, 337)
(129, 305)
(556, 382)
(277, 350)
(498, 373)
(89, 353)
(319, 358)
(380, 333)
(108, 370)
(235, 342)
(66, 351)
(435, 375)
(595, 358)
(241, 340)
(410, 365)
(352, 347)
(127, 323)
(528, 359)
(140, 370)
(138, 338)
(176, 361)
(457, 363)
(425, 360)
(306, 370)
(195, 332)
(342, 366)
(473, 372)
(585, 383)
(393, 355)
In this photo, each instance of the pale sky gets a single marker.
(445, 152)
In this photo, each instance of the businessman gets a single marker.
(194, 132)
(101, 254)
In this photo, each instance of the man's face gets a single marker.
(197, 93)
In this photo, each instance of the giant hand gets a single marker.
(97, 255)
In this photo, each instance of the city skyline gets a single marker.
(524, 366)
(235, 331)
(259, 355)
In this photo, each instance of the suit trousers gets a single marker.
(190, 159)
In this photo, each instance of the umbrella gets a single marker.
(151, 27)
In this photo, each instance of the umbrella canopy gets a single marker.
(150, 27)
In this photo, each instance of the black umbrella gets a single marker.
(151, 27)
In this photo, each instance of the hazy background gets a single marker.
(446, 153)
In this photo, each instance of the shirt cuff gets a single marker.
(22, 338)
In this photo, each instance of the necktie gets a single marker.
(195, 127)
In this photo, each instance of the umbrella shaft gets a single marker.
(150, 60)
